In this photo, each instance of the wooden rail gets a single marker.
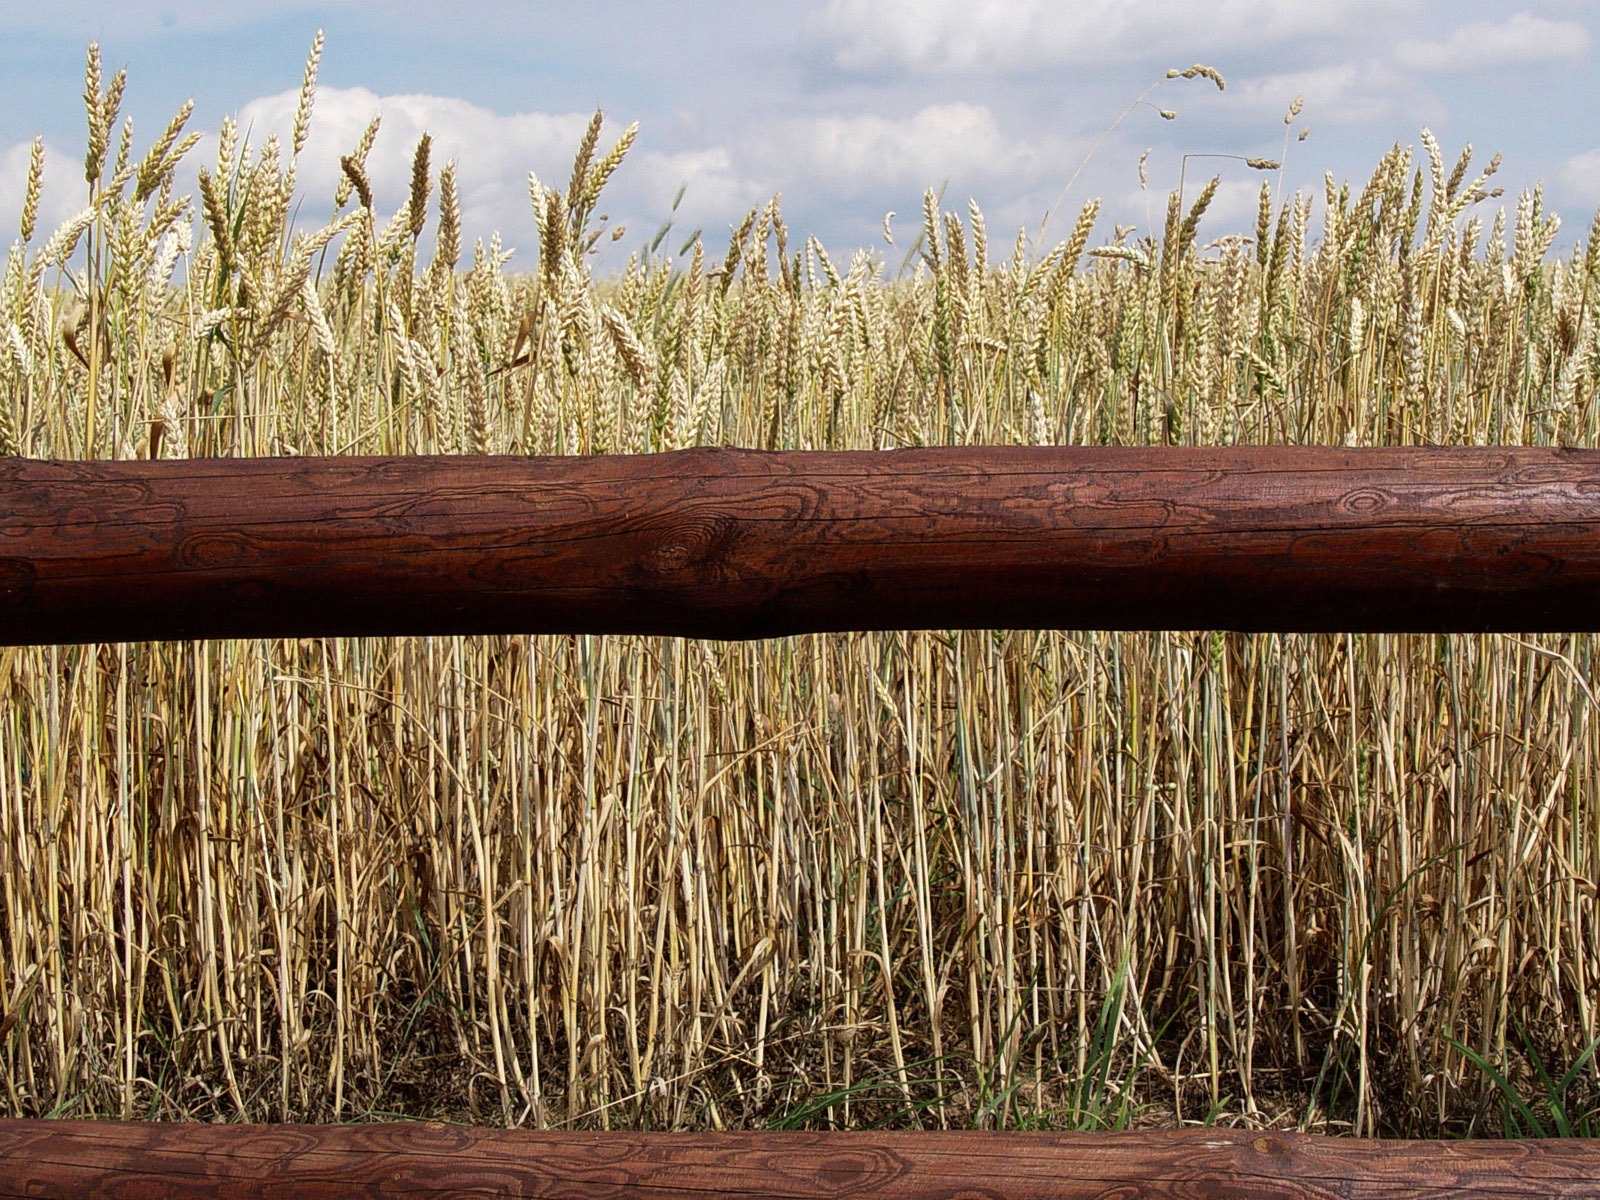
(743, 544)
(727, 543)
(46, 1160)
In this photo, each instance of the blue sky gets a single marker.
(850, 108)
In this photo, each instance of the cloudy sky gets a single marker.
(850, 108)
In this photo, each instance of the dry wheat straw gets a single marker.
(900, 877)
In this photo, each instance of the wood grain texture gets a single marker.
(51, 1159)
(743, 544)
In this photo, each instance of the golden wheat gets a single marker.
(1023, 877)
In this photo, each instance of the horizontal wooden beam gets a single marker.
(741, 544)
(49, 1159)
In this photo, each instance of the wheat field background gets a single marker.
(994, 879)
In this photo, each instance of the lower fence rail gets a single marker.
(50, 1159)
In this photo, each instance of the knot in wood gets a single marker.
(220, 548)
(1365, 502)
(692, 542)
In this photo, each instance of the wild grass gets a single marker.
(1030, 878)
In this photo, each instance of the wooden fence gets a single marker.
(740, 544)
(743, 544)
(52, 1160)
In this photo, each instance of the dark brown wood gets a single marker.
(50, 1159)
(743, 544)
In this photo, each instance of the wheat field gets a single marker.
(1022, 879)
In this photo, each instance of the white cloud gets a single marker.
(1233, 209)
(1519, 40)
(493, 152)
(1346, 93)
(63, 195)
(1001, 35)
(856, 155)
(715, 191)
(1580, 178)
